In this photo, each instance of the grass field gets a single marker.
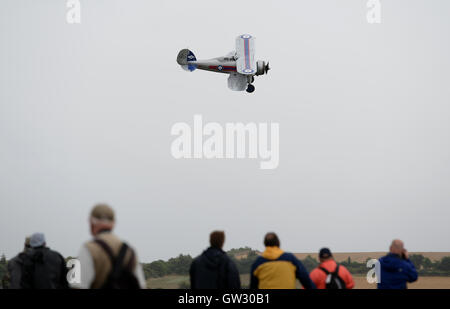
(173, 282)
(421, 283)
(167, 282)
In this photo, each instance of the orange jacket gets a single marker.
(318, 276)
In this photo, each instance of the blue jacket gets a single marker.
(395, 272)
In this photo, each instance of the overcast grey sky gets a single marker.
(86, 112)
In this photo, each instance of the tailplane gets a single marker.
(185, 56)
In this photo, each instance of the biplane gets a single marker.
(239, 64)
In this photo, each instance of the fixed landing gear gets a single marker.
(250, 88)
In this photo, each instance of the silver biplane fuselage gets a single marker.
(239, 64)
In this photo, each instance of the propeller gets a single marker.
(266, 68)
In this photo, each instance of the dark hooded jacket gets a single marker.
(44, 269)
(213, 269)
(396, 272)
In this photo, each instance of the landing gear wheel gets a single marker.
(250, 88)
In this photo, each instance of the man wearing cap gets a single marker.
(43, 268)
(98, 255)
(327, 267)
(15, 266)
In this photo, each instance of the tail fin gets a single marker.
(183, 59)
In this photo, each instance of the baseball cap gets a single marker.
(102, 212)
(325, 253)
(37, 240)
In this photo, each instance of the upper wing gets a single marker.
(245, 50)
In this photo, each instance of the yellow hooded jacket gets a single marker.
(276, 269)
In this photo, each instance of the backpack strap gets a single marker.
(121, 256)
(336, 271)
(116, 262)
(119, 260)
(324, 270)
(107, 249)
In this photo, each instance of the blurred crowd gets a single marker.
(106, 262)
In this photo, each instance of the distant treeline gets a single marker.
(244, 258)
(424, 266)
(3, 268)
